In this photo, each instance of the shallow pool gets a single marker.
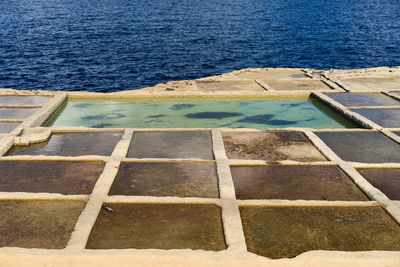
(199, 113)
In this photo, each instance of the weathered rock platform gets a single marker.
(79, 196)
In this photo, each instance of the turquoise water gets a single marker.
(199, 113)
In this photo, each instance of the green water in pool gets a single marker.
(254, 113)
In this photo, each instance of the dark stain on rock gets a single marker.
(181, 106)
(308, 108)
(102, 125)
(266, 119)
(111, 116)
(148, 104)
(96, 117)
(296, 104)
(260, 119)
(245, 103)
(288, 106)
(281, 122)
(212, 115)
(156, 116)
(82, 105)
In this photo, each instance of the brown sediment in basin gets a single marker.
(369, 147)
(270, 146)
(6, 127)
(360, 100)
(153, 212)
(386, 180)
(166, 179)
(389, 118)
(37, 224)
(158, 226)
(16, 113)
(72, 144)
(278, 232)
(64, 177)
(294, 182)
(171, 145)
(24, 100)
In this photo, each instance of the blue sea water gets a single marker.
(109, 45)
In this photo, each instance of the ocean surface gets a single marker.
(109, 45)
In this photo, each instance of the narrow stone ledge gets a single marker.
(391, 135)
(345, 111)
(218, 145)
(162, 200)
(264, 85)
(87, 219)
(40, 196)
(244, 162)
(371, 191)
(374, 107)
(21, 106)
(226, 187)
(32, 135)
(322, 147)
(358, 165)
(46, 111)
(389, 93)
(5, 144)
(233, 228)
(73, 129)
(55, 158)
(306, 203)
(159, 160)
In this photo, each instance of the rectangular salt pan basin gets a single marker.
(260, 113)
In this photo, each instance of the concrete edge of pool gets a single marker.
(75, 253)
